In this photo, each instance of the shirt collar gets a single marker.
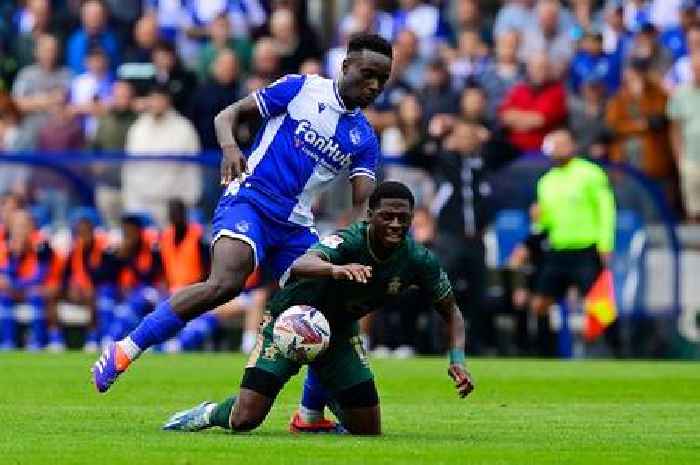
(343, 108)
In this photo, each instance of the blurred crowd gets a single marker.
(475, 85)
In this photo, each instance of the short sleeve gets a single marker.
(433, 278)
(338, 248)
(365, 162)
(273, 99)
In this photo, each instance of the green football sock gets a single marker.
(222, 412)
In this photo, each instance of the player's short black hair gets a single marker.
(391, 190)
(371, 42)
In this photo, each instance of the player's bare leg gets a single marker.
(232, 262)
(243, 412)
(249, 411)
(364, 421)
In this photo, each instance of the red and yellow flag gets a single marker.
(599, 306)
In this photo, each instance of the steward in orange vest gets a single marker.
(79, 283)
(184, 252)
(134, 272)
(27, 265)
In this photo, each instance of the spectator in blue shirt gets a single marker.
(426, 21)
(674, 38)
(681, 72)
(617, 39)
(592, 60)
(93, 31)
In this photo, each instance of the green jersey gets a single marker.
(343, 302)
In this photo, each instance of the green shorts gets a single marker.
(343, 365)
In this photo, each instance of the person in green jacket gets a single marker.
(577, 213)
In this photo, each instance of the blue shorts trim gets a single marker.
(241, 237)
(275, 243)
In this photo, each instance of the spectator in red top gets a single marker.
(533, 107)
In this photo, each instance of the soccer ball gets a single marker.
(301, 333)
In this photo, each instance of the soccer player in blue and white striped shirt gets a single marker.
(312, 130)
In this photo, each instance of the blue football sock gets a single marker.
(314, 396)
(157, 327)
(197, 331)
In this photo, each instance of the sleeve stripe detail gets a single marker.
(368, 174)
(362, 169)
(443, 295)
(261, 104)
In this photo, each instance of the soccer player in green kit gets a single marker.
(345, 276)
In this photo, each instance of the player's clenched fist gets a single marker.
(352, 272)
(233, 164)
(462, 378)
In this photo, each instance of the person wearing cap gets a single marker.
(577, 213)
(79, 285)
(161, 131)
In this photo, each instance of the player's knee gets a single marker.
(245, 419)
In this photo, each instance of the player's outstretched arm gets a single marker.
(450, 313)
(233, 163)
(314, 265)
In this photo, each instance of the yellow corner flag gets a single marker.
(599, 305)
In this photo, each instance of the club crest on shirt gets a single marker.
(321, 106)
(394, 286)
(271, 353)
(355, 136)
(242, 226)
(332, 241)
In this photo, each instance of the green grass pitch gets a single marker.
(522, 412)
